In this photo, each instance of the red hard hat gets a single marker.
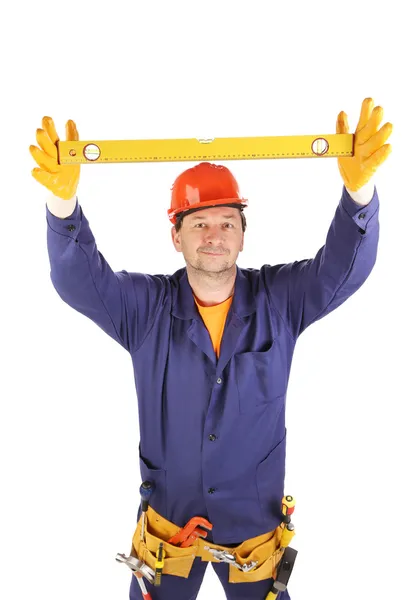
(203, 186)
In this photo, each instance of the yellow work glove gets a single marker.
(62, 180)
(369, 148)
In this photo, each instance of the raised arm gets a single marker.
(305, 291)
(123, 304)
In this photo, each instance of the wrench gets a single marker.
(190, 528)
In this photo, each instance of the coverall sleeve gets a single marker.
(122, 304)
(305, 291)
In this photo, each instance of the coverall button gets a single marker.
(71, 227)
(362, 216)
(219, 380)
(212, 437)
(211, 490)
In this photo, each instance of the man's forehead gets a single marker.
(225, 212)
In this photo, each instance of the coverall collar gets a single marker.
(243, 304)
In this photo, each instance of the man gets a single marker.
(212, 344)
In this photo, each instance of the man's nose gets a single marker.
(213, 232)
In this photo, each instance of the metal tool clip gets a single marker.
(226, 557)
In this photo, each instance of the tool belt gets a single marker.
(264, 549)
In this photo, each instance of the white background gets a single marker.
(69, 420)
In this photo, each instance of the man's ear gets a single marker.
(176, 239)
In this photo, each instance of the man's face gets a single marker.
(210, 239)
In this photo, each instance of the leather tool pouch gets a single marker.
(265, 549)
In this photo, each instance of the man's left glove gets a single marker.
(369, 148)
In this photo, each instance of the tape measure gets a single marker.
(205, 149)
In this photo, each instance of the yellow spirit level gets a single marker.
(205, 149)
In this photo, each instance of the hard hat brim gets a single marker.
(173, 213)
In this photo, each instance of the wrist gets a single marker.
(364, 195)
(59, 207)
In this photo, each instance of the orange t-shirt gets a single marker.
(214, 318)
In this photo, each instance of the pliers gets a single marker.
(140, 570)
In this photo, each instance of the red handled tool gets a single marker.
(190, 532)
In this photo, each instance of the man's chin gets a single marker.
(211, 265)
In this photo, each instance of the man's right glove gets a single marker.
(61, 180)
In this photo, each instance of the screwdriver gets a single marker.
(146, 490)
(288, 507)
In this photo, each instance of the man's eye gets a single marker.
(203, 224)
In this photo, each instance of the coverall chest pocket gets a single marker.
(260, 378)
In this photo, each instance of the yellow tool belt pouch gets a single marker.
(265, 549)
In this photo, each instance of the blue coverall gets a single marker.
(212, 431)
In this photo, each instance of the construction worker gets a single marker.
(212, 344)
